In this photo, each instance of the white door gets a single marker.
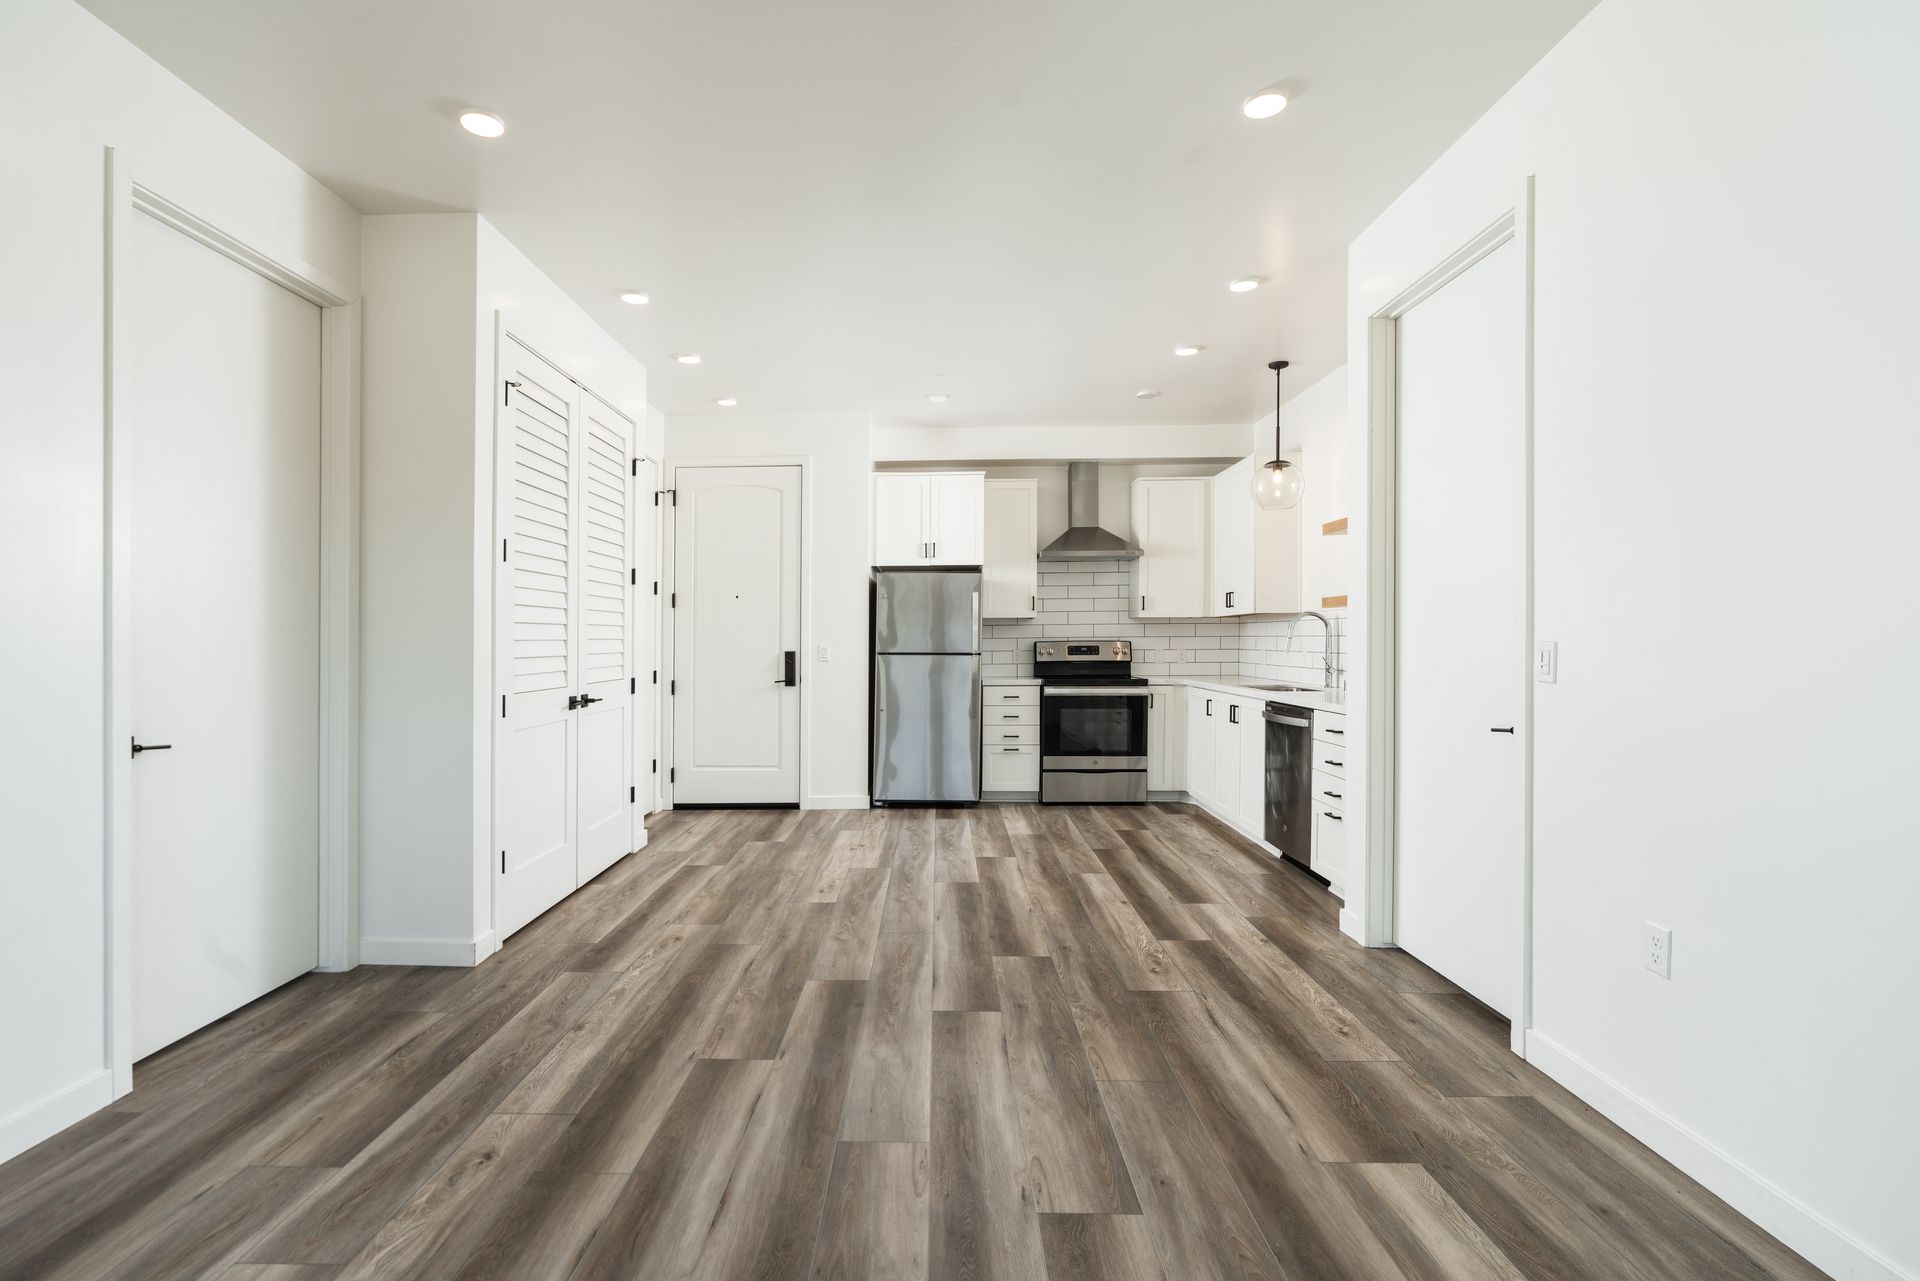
(608, 793)
(736, 551)
(1460, 669)
(1170, 523)
(225, 600)
(901, 519)
(1010, 574)
(956, 530)
(538, 639)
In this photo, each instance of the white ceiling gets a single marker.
(835, 201)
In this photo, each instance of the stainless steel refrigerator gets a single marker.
(926, 686)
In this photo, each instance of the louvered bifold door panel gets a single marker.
(538, 649)
(607, 787)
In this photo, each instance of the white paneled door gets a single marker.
(566, 643)
(736, 637)
(224, 370)
(1460, 679)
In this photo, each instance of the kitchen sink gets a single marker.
(1276, 687)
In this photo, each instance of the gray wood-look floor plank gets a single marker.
(874, 1224)
(725, 1058)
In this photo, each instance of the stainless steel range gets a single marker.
(1093, 723)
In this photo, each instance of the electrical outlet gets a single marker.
(1546, 661)
(825, 653)
(1659, 950)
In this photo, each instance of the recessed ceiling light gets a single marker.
(1145, 393)
(1267, 103)
(1188, 349)
(938, 397)
(687, 357)
(635, 297)
(482, 124)
(726, 402)
(1246, 284)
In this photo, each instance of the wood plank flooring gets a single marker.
(996, 1044)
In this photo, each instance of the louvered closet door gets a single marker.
(606, 724)
(539, 643)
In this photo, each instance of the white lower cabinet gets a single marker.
(1330, 787)
(1329, 845)
(1166, 738)
(1250, 731)
(1009, 738)
(1200, 742)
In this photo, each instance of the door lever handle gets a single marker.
(1507, 730)
(588, 700)
(139, 747)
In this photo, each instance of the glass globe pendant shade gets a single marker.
(1278, 485)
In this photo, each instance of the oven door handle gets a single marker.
(1093, 692)
(1285, 720)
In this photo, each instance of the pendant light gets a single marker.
(1277, 485)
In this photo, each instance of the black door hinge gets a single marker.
(673, 687)
(656, 498)
(675, 494)
(633, 577)
(656, 676)
(503, 551)
(503, 707)
(503, 862)
(633, 794)
(636, 466)
(656, 764)
(670, 773)
(656, 587)
(673, 600)
(633, 684)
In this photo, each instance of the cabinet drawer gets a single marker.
(1011, 696)
(1330, 757)
(1010, 735)
(1330, 726)
(1329, 791)
(997, 712)
(1329, 844)
(1010, 769)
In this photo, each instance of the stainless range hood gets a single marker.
(1084, 539)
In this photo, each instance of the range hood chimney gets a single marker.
(1084, 539)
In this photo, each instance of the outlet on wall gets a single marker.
(1659, 950)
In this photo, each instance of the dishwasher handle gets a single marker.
(1278, 719)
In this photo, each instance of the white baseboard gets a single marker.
(837, 803)
(379, 951)
(1802, 1228)
(38, 1122)
(1350, 924)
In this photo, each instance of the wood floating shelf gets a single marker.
(1333, 602)
(1335, 526)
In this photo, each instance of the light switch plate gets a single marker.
(1546, 661)
(825, 653)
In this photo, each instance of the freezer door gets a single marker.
(926, 727)
(926, 611)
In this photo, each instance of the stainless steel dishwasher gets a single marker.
(1289, 826)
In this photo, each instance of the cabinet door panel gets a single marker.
(1200, 743)
(957, 527)
(1170, 524)
(1010, 573)
(1329, 857)
(1166, 743)
(1230, 557)
(900, 519)
(1252, 815)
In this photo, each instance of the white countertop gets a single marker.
(1318, 700)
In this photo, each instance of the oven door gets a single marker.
(1093, 727)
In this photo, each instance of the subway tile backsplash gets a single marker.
(1089, 599)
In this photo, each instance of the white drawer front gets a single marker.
(1010, 769)
(1011, 696)
(1329, 791)
(1010, 714)
(1330, 726)
(1329, 844)
(1010, 736)
(1330, 757)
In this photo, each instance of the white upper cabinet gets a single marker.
(924, 518)
(1254, 558)
(1170, 524)
(957, 530)
(1010, 570)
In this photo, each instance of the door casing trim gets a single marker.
(135, 191)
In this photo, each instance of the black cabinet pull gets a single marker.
(1335, 795)
(1336, 731)
(139, 747)
(1233, 713)
(1209, 707)
(1335, 817)
(1338, 764)
(1507, 730)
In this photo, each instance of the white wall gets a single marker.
(836, 540)
(438, 286)
(1724, 428)
(1314, 421)
(71, 89)
(896, 440)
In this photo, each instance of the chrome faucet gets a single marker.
(1327, 680)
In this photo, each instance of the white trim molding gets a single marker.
(133, 190)
(1798, 1225)
(861, 802)
(442, 952)
(38, 1122)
